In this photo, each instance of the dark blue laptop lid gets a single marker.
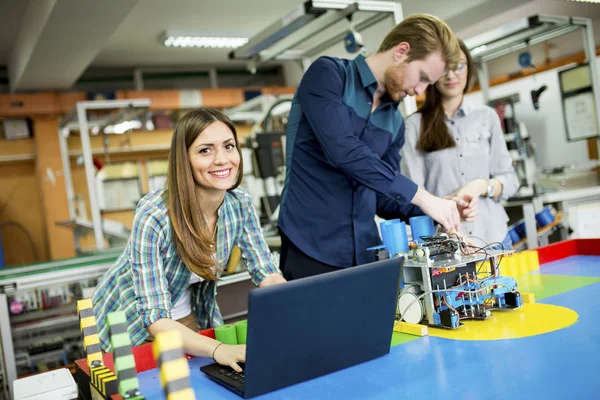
(314, 326)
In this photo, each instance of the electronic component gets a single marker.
(448, 282)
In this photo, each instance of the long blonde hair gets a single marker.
(193, 240)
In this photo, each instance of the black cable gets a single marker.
(26, 232)
(266, 124)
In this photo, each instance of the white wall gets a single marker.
(561, 46)
(528, 8)
(546, 125)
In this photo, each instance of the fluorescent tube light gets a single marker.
(181, 39)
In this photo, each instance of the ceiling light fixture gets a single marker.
(586, 1)
(183, 39)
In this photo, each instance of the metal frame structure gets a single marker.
(77, 119)
(307, 20)
(526, 32)
(519, 35)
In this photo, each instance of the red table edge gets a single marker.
(568, 248)
(144, 359)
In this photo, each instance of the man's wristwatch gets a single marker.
(490, 189)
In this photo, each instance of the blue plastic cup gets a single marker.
(394, 236)
(544, 217)
(520, 228)
(421, 226)
(514, 235)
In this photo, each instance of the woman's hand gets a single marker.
(469, 193)
(272, 279)
(230, 355)
(468, 207)
(475, 188)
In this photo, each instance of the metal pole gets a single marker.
(64, 155)
(86, 147)
(398, 14)
(138, 79)
(212, 76)
(484, 84)
(428, 299)
(306, 61)
(8, 351)
(590, 52)
(530, 225)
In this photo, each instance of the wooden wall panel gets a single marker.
(28, 104)
(20, 202)
(160, 99)
(279, 90)
(18, 149)
(68, 100)
(222, 98)
(51, 184)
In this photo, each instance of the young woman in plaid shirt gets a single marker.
(166, 279)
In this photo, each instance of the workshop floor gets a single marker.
(550, 350)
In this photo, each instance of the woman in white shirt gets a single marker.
(454, 150)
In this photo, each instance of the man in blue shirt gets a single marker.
(343, 142)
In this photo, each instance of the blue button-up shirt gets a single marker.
(342, 164)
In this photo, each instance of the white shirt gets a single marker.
(480, 152)
(183, 308)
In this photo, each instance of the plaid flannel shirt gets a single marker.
(149, 277)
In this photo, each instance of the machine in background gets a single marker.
(265, 175)
(519, 145)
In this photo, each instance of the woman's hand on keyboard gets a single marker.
(231, 355)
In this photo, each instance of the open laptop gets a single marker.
(313, 326)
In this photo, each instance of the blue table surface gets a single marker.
(556, 365)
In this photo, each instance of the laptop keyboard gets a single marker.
(236, 376)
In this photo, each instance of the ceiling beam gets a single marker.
(59, 39)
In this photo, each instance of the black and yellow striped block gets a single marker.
(103, 380)
(120, 341)
(89, 331)
(173, 366)
(95, 394)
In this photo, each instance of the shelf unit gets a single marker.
(518, 144)
(19, 332)
(542, 233)
(77, 120)
(17, 150)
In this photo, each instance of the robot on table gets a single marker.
(445, 280)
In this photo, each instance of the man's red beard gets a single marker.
(394, 81)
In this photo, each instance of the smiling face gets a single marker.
(214, 158)
(453, 84)
(412, 78)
